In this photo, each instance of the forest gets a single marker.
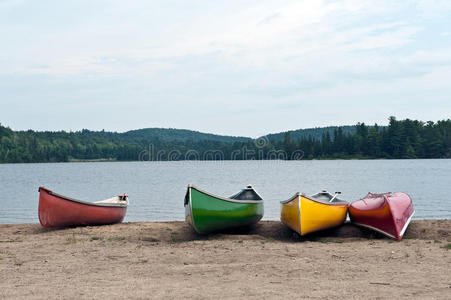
(401, 139)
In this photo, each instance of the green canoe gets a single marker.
(208, 213)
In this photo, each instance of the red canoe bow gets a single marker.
(388, 213)
(61, 211)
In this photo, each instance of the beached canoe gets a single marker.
(307, 214)
(61, 211)
(388, 213)
(207, 213)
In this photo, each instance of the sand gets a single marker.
(168, 260)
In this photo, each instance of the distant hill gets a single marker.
(401, 139)
(315, 133)
(170, 134)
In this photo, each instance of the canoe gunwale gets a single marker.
(191, 186)
(81, 201)
(291, 198)
(343, 202)
(403, 230)
(326, 203)
(337, 200)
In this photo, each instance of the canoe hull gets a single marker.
(55, 211)
(389, 213)
(305, 215)
(207, 213)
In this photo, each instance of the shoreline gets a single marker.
(426, 229)
(169, 260)
(222, 160)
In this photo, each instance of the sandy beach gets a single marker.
(168, 260)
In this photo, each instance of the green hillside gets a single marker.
(170, 134)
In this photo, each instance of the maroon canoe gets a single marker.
(388, 213)
(60, 211)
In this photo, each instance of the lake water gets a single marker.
(156, 189)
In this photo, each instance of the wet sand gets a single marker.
(168, 260)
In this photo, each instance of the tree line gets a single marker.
(400, 139)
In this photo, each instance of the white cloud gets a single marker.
(221, 56)
(294, 29)
(434, 9)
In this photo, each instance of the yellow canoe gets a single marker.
(306, 214)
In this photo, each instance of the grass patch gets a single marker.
(95, 238)
(270, 239)
(338, 241)
(437, 242)
(71, 240)
(116, 238)
(240, 241)
(447, 246)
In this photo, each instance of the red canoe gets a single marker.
(60, 211)
(388, 213)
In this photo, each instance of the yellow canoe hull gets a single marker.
(305, 215)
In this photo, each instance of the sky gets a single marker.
(244, 68)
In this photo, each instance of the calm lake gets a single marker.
(157, 189)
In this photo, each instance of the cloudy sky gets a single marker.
(227, 67)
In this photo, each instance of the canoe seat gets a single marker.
(325, 197)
